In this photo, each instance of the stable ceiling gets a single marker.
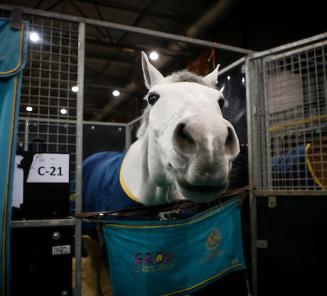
(112, 58)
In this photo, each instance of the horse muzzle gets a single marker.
(200, 193)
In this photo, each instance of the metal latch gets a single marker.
(170, 215)
(262, 244)
(272, 202)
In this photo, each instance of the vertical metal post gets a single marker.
(253, 207)
(79, 155)
(26, 128)
(128, 137)
(266, 126)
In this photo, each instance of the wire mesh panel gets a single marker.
(51, 70)
(48, 107)
(49, 136)
(288, 93)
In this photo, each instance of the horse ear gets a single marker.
(151, 75)
(212, 78)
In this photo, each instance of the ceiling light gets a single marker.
(228, 77)
(154, 55)
(75, 88)
(243, 80)
(116, 93)
(29, 108)
(34, 36)
(63, 111)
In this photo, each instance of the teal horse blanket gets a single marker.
(174, 257)
(13, 46)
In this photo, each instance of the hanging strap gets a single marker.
(155, 210)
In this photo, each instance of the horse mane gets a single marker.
(180, 76)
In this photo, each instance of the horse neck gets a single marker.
(135, 175)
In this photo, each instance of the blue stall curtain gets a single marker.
(175, 257)
(13, 46)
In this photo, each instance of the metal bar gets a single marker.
(128, 137)
(78, 257)
(267, 124)
(231, 66)
(131, 29)
(295, 51)
(249, 105)
(79, 155)
(253, 208)
(135, 120)
(289, 45)
(101, 18)
(26, 134)
(53, 120)
(79, 127)
(43, 223)
(105, 123)
(291, 193)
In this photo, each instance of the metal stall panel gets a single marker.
(287, 97)
(291, 245)
(42, 261)
(48, 104)
(99, 137)
(48, 121)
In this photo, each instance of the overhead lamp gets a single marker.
(116, 93)
(243, 80)
(75, 88)
(228, 77)
(153, 55)
(63, 111)
(29, 108)
(34, 36)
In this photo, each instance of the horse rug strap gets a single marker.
(174, 257)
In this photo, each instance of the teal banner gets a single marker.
(13, 45)
(175, 257)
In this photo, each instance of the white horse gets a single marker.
(185, 147)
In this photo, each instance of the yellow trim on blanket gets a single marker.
(207, 280)
(124, 186)
(311, 170)
(20, 53)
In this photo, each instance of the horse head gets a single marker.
(190, 146)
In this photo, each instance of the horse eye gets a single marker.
(152, 99)
(221, 103)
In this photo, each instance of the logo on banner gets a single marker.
(212, 244)
(150, 262)
(213, 239)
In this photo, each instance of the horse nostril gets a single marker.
(231, 144)
(183, 133)
(183, 140)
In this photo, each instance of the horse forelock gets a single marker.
(185, 76)
(180, 76)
